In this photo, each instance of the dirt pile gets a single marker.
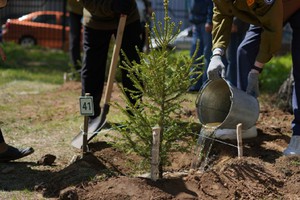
(263, 173)
(244, 178)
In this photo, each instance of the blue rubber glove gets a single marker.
(216, 68)
(253, 87)
(121, 6)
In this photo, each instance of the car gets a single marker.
(43, 28)
(183, 40)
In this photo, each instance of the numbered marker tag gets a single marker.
(86, 105)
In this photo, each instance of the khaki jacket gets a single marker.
(97, 14)
(268, 14)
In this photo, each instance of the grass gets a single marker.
(275, 73)
(33, 64)
(295, 162)
(27, 78)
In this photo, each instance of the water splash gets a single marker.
(203, 146)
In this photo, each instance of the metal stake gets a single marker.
(85, 132)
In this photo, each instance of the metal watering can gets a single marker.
(221, 105)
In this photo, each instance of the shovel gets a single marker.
(99, 122)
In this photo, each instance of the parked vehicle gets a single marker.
(44, 28)
(183, 40)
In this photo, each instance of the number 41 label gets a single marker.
(86, 105)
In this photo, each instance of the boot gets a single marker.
(293, 147)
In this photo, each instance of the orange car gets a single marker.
(43, 28)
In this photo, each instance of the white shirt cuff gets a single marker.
(218, 51)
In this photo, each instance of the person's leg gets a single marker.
(294, 145)
(75, 40)
(95, 46)
(1, 137)
(246, 55)
(130, 41)
(295, 25)
(231, 70)
(235, 41)
(143, 36)
(3, 145)
(197, 38)
(207, 44)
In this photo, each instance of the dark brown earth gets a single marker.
(262, 173)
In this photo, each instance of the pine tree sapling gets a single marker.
(161, 79)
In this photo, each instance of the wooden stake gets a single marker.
(239, 140)
(155, 153)
(85, 132)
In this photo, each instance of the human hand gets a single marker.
(234, 28)
(216, 68)
(150, 11)
(121, 6)
(208, 27)
(252, 87)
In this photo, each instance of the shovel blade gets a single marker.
(77, 141)
(94, 127)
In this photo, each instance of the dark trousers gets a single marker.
(75, 40)
(247, 53)
(231, 69)
(95, 47)
(205, 45)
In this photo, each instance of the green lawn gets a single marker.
(33, 64)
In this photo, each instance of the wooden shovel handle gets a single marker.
(114, 59)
